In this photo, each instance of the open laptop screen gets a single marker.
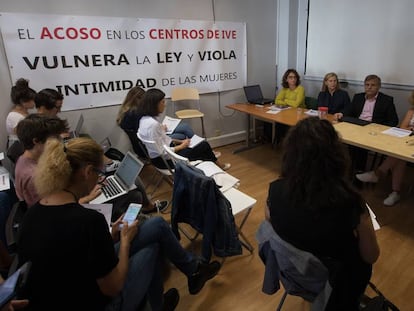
(128, 169)
(253, 93)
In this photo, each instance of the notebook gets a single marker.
(122, 181)
(76, 132)
(254, 95)
(354, 120)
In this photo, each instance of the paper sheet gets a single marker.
(170, 123)
(311, 112)
(373, 218)
(4, 181)
(105, 209)
(397, 132)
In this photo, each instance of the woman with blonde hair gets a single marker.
(331, 95)
(75, 264)
(396, 166)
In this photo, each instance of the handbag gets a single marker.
(379, 302)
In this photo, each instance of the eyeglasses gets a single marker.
(101, 175)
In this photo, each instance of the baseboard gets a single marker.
(227, 139)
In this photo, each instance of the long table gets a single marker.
(368, 137)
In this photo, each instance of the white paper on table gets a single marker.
(170, 123)
(271, 111)
(373, 218)
(209, 168)
(397, 132)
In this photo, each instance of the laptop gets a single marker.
(353, 120)
(122, 181)
(254, 95)
(76, 132)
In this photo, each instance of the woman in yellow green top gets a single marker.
(292, 94)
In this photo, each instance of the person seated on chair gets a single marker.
(128, 116)
(74, 260)
(396, 166)
(150, 128)
(22, 97)
(332, 96)
(33, 133)
(293, 95)
(49, 102)
(313, 207)
(372, 106)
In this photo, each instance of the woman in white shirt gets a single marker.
(22, 97)
(150, 128)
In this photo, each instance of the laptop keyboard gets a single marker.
(111, 188)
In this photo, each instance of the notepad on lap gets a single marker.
(195, 140)
(170, 123)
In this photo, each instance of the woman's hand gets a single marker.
(96, 191)
(128, 232)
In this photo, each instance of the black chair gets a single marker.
(137, 145)
(311, 103)
(15, 151)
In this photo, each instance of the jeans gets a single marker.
(182, 131)
(144, 276)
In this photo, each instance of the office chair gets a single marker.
(190, 95)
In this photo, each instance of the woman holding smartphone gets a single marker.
(75, 264)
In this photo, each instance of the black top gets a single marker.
(130, 121)
(384, 109)
(336, 102)
(327, 233)
(70, 247)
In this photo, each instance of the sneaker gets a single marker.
(113, 166)
(217, 154)
(368, 177)
(159, 206)
(226, 166)
(205, 272)
(171, 299)
(393, 198)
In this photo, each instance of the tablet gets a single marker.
(10, 288)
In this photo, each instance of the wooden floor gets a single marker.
(238, 285)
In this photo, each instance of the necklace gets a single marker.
(73, 194)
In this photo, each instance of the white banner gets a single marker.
(93, 61)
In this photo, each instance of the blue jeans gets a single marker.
(182, 131)
(144, 276)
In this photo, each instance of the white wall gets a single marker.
(260, 18)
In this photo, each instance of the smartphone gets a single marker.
(11, 287)
(131, 213)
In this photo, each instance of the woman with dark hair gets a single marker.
(313, 207)
(153, 104)
(292, 93)
(22, 97)
(128, 116)
(49, 102)
(332, 96)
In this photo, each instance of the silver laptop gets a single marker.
(122, 181)
(76, 131)
(254, 95)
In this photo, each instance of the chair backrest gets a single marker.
(185, 94)
(311, 103)
(301, 273)
(150, 144)
(137, 145)
(174, 156)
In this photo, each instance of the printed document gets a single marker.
(195, 140)
(397, 132)
(170, 123)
